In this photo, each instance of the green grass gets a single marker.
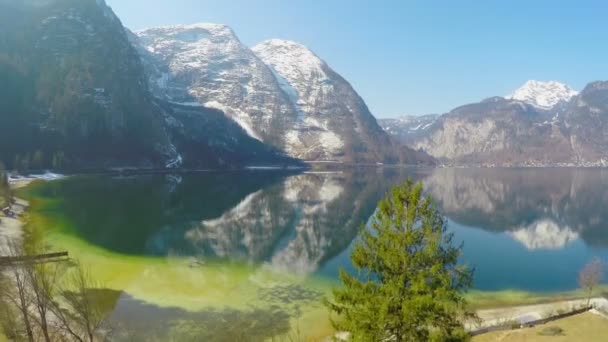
(505, 298)
(584, 327)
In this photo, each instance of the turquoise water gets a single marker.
(524, 229)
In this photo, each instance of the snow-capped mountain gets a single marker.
(333, 122)
(543, 94)
(77, 95)
(279, 92)
(541, 124)
(207, 65)
(408, 127)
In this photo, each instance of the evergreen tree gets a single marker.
(409, 286)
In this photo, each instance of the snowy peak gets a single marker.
(290, 59)
(206, 64)
(543, 94)
(189, 38)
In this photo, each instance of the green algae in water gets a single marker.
(237, 243)
(188, 294)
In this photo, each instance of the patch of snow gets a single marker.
(236, 115)
(187, 104)
(331, 141)
(543, 94)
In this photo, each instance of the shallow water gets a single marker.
(251, 253)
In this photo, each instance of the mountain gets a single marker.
(333, 121)
(72, 88)
(279, 92)
(206, 65)
(543, 94)
(408, 128)
(547, 128)
(76, 95)
(586, 118)
(497, 131)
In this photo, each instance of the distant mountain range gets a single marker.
(540, 124)
(408, 128)
(81, 91)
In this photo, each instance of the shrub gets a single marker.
(551, 331)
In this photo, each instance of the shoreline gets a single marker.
(527, 313)
(11, 228)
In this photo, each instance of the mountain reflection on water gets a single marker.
(510, 220)
(541, 208)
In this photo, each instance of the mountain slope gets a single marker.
(408, 128)
(207, 65)
(74, 89)
(333, 121)
(497, 131)
(507, 132)
(586, 117)
(76, 95)
(301, 107)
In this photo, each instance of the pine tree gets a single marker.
(409, 285)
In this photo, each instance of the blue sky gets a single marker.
(415, 57)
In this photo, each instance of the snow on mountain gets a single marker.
(408, 127)
(543, 94)
(208, 65)
(333, 121)
(302, 77)
(279, 92)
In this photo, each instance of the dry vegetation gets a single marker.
(587, 327)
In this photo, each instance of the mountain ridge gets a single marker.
(290, 99)
(501, 131)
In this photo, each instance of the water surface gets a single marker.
(258, 249)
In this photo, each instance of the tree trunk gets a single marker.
(24, 307)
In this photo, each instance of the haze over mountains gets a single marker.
(82, 91)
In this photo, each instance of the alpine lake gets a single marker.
(250, 255)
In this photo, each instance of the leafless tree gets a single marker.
(43, 280)
(14, 289)
(48, 300)
(591, 276)
(80, 314)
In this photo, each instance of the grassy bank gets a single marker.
(584, 327)
(480, 300)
